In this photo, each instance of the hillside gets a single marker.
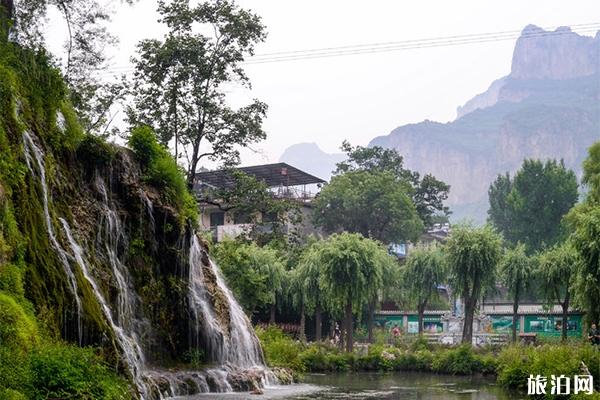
(547, 107)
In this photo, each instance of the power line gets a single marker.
(384, 47)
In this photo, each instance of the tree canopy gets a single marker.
(516, 270)
(472, 256)
(423, 271)
(352, 270)
(428, 193)
(179, 81)
(557, 268)
(256, 275)
(374, 204)
(529, 207)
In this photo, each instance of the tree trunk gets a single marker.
(514, 318)
(349, 327)
(467, 336)
(370, 319)
(421, 312)
(302, 325)
(318, 323)
(272, 314)
(565, 316)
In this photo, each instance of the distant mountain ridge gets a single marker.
(547, 107)
(310, 158)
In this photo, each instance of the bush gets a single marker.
(95, 151)
(456, 361)
(161, 171)
(516, 363)
(69, 372)
(280, 350)
(17, 328)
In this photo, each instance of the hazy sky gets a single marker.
(363, 96)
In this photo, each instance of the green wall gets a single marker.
(551, 325)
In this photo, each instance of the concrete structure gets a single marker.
(283, 181)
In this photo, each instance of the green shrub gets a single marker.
(280, 350)
(67, 372)
(516, 363)
(11, 394)
(11, 280)
(161, 171)
(456, 361)
(18, 329)
(95, 151)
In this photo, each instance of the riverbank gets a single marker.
(508, 366)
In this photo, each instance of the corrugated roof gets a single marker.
(274, 175)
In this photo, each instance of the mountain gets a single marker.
(310, 158)
(547, 107)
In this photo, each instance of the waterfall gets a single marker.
(228, 340)
(130, 347)
(34, 153)
(238, 347)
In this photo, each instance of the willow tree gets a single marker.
(557, 267)
(516, 270)
(308, 277)
(472, 256)
(423, 272)
(352, 269)
(584, 221)
(255, 274)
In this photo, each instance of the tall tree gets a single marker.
(516, 270)
(428, 193)
(584, 222)
(529, 208)
(557, 267)
(472, 256)
(180, 81)
(84, 52)
(255, 274)
(423, 272)
(308, 276)
(352, 270)
(499, 213)
(374, 204)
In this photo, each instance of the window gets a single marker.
(217, 218)
(241, 218)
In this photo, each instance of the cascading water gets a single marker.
(130, 347)
(228, 340)
(34, 153)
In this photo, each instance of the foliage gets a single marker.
(280, 350)
(256, 275)
(352, 272)
(179, 81)
(423, 271)
(161, 171)
(529, 208)
(472, 256)
(517, 362)
(96, 151)
(516, 270)
(83, 56)
(584, 223)
(251, 198)
(428, 193)
(62, 371)
(374, 204)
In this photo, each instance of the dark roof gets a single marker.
(274, 175)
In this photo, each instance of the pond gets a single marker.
(371, 386)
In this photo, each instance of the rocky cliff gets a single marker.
(548, 107)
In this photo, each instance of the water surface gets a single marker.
(388, 386)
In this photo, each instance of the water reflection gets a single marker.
(392, 386)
